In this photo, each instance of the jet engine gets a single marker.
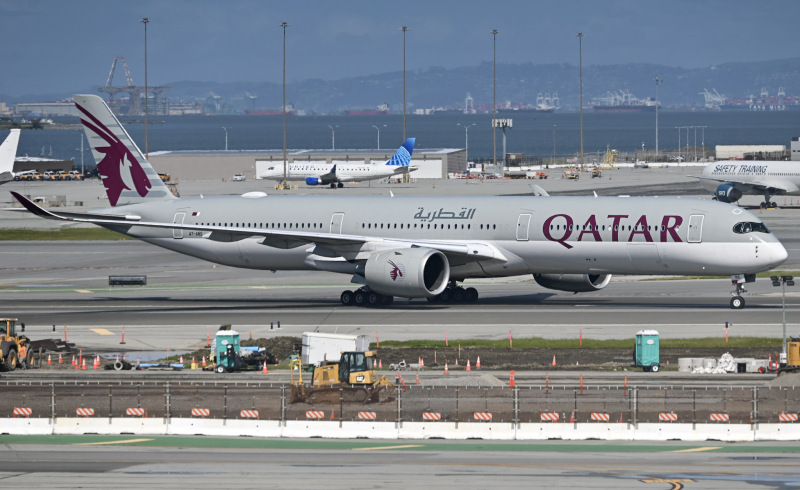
(574, 283)
(728, 193)
(408, 272)
(313, 181)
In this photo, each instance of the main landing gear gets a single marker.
(455, 294)
(739, 280)
(365, 297)
(335, 185)
(767, 204)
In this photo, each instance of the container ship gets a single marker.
(623, 102)
(290, 111)
(382, 109)
(544, 103)
(764, 103)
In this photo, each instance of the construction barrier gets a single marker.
(84, 412)
(201, 412)
(248, 414)
(315, 414)
(367, 416)
(22, 412)
(482, 416)
(787, 417)
(667, 417)
(549, 417)
(719, 417)
(599, 417)
(136, 412)
(431, 416)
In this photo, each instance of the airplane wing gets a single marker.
(755, 185)
(469, 251)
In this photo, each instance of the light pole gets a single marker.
(284, 184)
(580, 78)
(466, 143)
(146, 21)
(404, 29)
(81, 133)
(333, 138)
(658, 80)
(379, 135)
(494, 96)
(783, 281)
(226, 137)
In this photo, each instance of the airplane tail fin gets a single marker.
(8, 153)
(403, 155)
(125, 172)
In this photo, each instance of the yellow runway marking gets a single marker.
(697, 450)
(386, 447)
(83, 291)
(101, 331)
(127, 441)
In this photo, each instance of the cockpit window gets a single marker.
(750, 227)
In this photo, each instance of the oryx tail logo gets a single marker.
(397, 271)
(118, 169)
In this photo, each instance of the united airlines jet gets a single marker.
(336, 174)
(422, 247)
(730, 180)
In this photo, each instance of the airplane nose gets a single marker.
(776, 254)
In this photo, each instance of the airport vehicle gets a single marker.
(8, 153)
(596, 172)
(571, 173)
(238, 178)
(27, 175)
(165, 177)
(74, 175)
(420, 246)
(61, 175)
(49, 175)
(730, 180)
(337, 174)
(319, 347)
(10, 344)
(352, 370)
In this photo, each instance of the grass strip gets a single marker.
(540, 343)
(63, 234)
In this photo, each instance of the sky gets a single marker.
(54, 46)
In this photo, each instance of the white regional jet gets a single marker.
(8, 153)
(336, 174)
(421, 247)
(730, 180)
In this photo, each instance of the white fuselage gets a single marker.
(345, 172)
(754, 176)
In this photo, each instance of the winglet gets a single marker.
(34, 208)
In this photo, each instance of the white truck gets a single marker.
(320, 347)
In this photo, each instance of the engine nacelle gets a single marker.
(408, 272)
(574, 283)
(313, 181)
(728, 193)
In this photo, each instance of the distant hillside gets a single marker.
(437, 87)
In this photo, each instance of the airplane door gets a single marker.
(178, 220)
(523, 223)
(695, 234)
(336, 223)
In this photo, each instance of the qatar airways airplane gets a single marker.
(336, 174)
(422, 247)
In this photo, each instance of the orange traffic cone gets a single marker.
(554, 360)
(421, 362)
(572, 417)
(204, 361)
(60, 359)
(73, 360)
(181, 360)
(83, 366)
(264, 370)
(417, 377)
(446, 371)
(478, 363)
(48, 360)
(332, 413)
(380, 363)
(468, 368)
(96, 362)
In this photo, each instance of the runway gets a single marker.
(184, 462)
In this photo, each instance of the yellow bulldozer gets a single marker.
(10, 345)
(354, 373)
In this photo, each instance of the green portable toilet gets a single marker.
(646, 355)
(227, 350)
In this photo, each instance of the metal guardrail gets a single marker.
(412, 404)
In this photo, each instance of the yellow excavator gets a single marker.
(10, 344)
(355, 372)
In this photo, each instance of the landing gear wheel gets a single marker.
(444, 296)
(459, 295)
(388, 300)
(374, 299)
(347, 298)
(333, 186)
(472, 295)
(774, 205)
(654, 368)
(360, 298)
(737, 302)
(339, 185)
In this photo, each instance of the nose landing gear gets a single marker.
(739, 280)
